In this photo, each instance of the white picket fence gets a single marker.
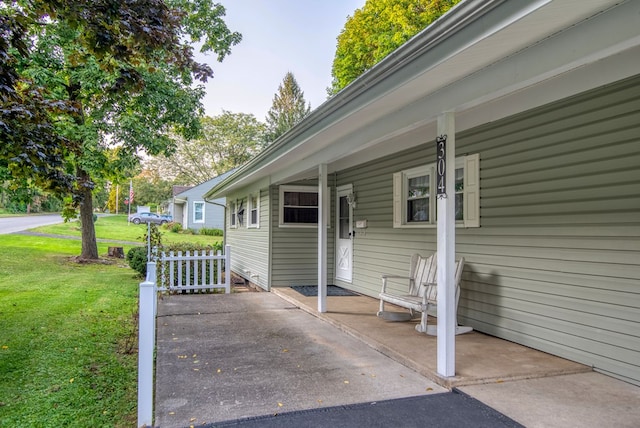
(194, 271)
(177, 272)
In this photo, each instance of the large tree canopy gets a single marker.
(376, 30)
(87, 85)
(289, 107)
(228, 141)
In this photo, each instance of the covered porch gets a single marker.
(527, 87)
(480, 358)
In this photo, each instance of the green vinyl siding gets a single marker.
(561, 218)
(250, 246)
(294, 250)
(555, 264)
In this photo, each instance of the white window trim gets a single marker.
(471, 194)
(195, 211)
(233, 215)
(251, 208)
(293, 188)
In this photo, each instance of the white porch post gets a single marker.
(146, 345)
(323, 218)
(446, 361)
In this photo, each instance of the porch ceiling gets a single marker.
(484, 54)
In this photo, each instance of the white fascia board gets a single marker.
(252, 188)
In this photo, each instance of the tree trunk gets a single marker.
(89, 244)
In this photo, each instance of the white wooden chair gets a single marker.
(422, 293)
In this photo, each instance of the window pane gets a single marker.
(344, 228)
(301, 199)
(291, 198)
(459, 206)
(459, 180)
(418, 210)
(418, 187)
(198, 208)
(300, 215)
(308, 199)
(253, 214)
(343, 223)
(459, 194)
(295, 207)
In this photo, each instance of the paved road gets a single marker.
(17, 224)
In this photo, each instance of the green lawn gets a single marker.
(117, 227)
(68, 337)
(68, 331)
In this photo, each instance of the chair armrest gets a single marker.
(425, 295)
(394, 276)
(385, 277)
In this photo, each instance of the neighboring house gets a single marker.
(541, 101)
(189, 207)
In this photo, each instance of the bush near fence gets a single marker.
(137, 259)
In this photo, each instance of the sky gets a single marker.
(277, 36)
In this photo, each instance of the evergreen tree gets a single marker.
(289, 107)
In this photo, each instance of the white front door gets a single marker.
(344, 234)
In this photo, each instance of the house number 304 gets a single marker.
(441, 166)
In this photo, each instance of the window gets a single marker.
(240, 213)
(254, 211)
(198, 212)
(298, 206)
(414, 202)
(232, 215)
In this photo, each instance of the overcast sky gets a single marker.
(277, 36)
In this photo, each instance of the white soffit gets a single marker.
(494, 44)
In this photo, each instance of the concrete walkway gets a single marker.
(229, 357)
(226, 357)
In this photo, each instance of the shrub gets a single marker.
(211, 231)
(137, 259)
(173, 226)
(190, 246)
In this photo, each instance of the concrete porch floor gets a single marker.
(534, 388)
(480, 358)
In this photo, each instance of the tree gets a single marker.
(83, 79)
(289, 107)
(376, 30)
(115, 202)
(150, 188)
(228, 141)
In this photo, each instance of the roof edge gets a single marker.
(458, 17)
